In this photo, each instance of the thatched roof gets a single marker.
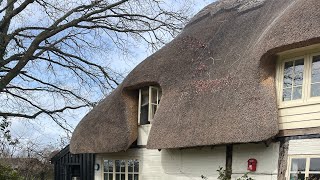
(217, 79)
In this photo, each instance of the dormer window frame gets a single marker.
(151, 104)
(307, 54)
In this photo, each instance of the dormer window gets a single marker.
(299, 79)
(149, 98)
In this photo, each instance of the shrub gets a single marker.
(223, 175)
(7, 173)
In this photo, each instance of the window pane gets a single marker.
(118, 177)
(297, 93)
(286, 94)
(315, 164)
(153, 109)
(123, 166)
(117, 163)
(106, 177)
(298, 72)
(130, 177)
(108, 166)
(298, 164)
(297, 176)
(288, 73)
(144, 96)
(315, 90)
(130, 165)
(144, 115)
(136, 166)
(136, 177)
(314, 177)
(110, 176)
(123, 177)
(144, 106)
(154, 95)
(315, 74)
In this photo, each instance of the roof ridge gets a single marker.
(215, 7)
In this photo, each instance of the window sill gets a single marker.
(144, 125)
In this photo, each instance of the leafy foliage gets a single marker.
(245, 177)
(223, 175)
(7, 173)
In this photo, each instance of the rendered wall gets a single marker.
(192, 163)
(267, 157)
(172, 164)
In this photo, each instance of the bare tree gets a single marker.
(52, 51)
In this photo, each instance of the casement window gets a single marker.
(121, 169)
(304, 167)
(149, 98)
(299, 80)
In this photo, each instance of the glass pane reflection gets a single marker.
(293, 80)
(298, 72)
(286, 94)
(314, 164)
(123, 166)
(297, 176)
(298, 164)
(118, 177)
(136, 166)
(130, 165)
(315, 90)
(117, 163)
(287, 75)
(315, 75)
(136, 177)
(297, 93)
(314, 177)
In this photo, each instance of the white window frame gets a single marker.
(306, 85)
(149, 103)
(307, 157)
(114, 167)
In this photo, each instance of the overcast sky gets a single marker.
(43, 132)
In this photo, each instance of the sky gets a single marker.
(44, 132)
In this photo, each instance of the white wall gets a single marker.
(267, 157)
(192, 163)
(172, 164)
(143, 134)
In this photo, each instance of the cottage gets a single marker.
(241, 81)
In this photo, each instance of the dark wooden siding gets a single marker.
(67, 164)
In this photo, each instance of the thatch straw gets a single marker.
(217, 78)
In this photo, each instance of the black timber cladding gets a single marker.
(68, 166)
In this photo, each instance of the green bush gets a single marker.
(7, 173)
(223, 175)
